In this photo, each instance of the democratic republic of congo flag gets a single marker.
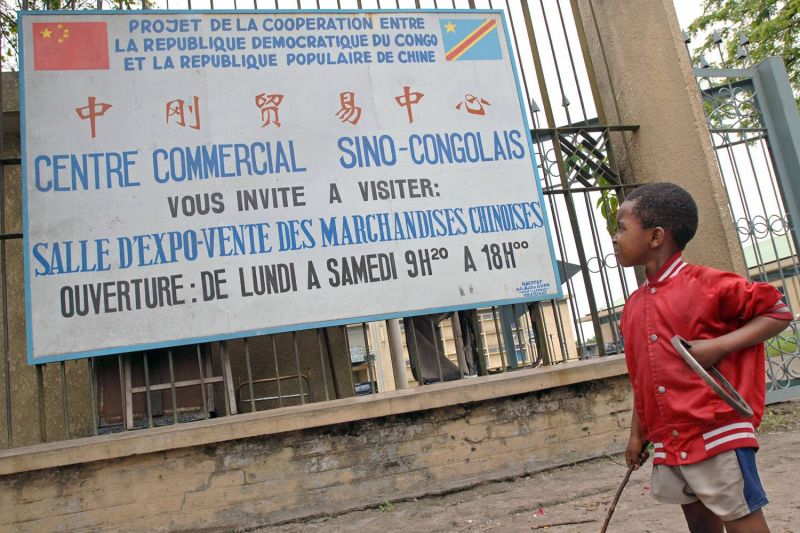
(470, 39)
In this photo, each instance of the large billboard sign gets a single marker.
(192, 176)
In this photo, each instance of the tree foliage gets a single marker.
(9, 47)
(771, 26)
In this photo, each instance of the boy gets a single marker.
(704, 452)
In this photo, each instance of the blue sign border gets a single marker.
(296, 327)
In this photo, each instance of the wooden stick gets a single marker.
(554, 524)
(616, 498)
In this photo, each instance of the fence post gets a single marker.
(779, 113)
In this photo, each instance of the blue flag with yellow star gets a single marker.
(470, 39)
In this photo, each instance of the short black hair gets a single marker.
(668, 206)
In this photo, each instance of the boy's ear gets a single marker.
(657, 236)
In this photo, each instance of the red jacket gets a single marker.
(679, 413)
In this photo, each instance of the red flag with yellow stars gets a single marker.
(70, 46)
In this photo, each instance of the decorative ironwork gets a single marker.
(766, 233)
(585, 156)
(761, 227)
(731, 105)
(783, 361)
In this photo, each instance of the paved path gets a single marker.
(574, 499)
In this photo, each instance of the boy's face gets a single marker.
(632, 244)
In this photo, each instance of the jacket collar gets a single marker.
(670, 269)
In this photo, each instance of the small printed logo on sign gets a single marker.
(533, 288)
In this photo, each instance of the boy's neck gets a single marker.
(658, 259)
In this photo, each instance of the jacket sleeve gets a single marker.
(743, 300)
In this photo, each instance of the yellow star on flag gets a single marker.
(46, 33)
(450, 27)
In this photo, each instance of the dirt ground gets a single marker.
(575, 498)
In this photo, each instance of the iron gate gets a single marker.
(755, 129)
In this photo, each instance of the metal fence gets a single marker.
(581, 185)
(741, 115)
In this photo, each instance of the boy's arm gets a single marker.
(635, 453)
(709, 352)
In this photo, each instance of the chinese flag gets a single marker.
(70, 46)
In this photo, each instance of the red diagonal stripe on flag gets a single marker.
(470, 40)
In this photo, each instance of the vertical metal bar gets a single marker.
(551, 199)
(65, 398)
(555, 61)
(604, 282)
(500, 340)
(297, 363)
(576, 233)
(40, 398)
(173, 393)
(791, 235)
(613, 90)
(277, 370)
(147, 390)
(223, 350)
(4, 280)
(587, 61)
(435, 337)
(572, 62)
(122, 391)
(544, 357)
(572, 214)
(129, 403)
(349, 357)
(517, 52)
(754, 172)
(249, 375)
(368, 359)
(331, 364)
(556, 309)
(480, 342)
(322, 364)
(458, 339)
(414, 353)
(93, 393)
(521, 338)
(202, 382)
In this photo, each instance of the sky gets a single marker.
(687, 11)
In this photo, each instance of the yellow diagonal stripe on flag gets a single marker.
(470, 40)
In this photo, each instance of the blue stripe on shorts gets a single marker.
(754, 493)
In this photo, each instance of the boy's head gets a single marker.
(654, 217)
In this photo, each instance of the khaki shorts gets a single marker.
(727, 484)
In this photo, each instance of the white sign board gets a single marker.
(193, 176)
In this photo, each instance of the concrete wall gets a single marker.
(379, 449)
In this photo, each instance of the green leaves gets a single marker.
(772, 27)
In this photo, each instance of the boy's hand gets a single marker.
(707, 352)
(636, 452)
